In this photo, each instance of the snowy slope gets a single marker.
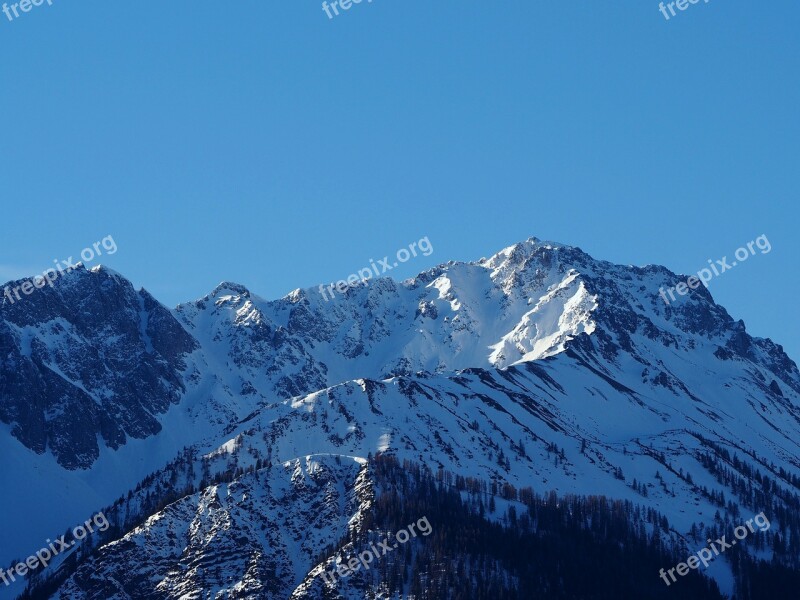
(471, 422)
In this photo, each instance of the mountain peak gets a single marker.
(229, 288)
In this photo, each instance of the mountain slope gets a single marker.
(539, 366)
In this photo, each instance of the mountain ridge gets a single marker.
(539, 347)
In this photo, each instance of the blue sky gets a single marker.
(263, 143)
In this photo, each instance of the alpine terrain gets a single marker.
(564, 432)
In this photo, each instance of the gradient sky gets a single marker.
(261, 142)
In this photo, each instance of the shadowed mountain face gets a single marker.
(538, 367)
(89, 361)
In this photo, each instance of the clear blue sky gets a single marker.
(261, 142)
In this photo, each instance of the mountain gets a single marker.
(214, 434)
(88, 360)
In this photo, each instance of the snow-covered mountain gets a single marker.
(88, 361)
(539, 367)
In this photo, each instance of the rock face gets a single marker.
(539, 366)
(265, 527)
(88, 360)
